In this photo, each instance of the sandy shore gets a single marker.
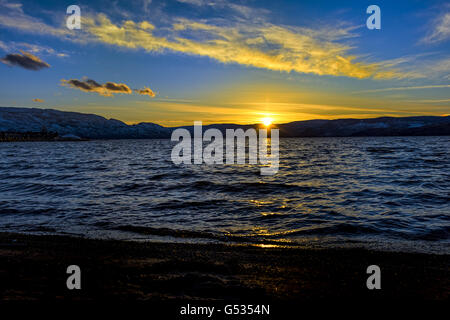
(34, 268)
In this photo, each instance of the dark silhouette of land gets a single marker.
(34, 268)
(28, 136)
(91, 126)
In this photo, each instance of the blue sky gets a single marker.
(173, 62)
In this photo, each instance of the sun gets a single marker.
(267, 121)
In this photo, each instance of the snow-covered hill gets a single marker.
(89, 126)
(92, 126)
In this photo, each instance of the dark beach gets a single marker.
(34, 268)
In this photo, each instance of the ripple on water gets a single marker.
(385, 190)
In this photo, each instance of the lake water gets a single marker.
(384, 192)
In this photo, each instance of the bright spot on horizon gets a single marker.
(267, 121)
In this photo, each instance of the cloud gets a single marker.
(264, 46)
(146, 5)
(117, 87)
(441, 29)
(25, 60)
(13, 16)
(38, 100)
(32, 48)
(194, 2)
(431, 101)
(107, 89)
(440, 67)
(244, 37)
(145, 91)
(405, 88)
(4, 46)
(224, 5)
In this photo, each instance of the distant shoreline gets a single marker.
(34, 268)
(40, 136)
(112, 139)
(91, 126)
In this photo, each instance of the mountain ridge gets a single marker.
(92, 126)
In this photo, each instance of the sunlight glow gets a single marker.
(267, 121)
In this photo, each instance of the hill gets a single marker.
(91, 126)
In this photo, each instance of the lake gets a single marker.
(391, 193)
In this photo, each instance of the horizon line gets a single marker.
(228, 123)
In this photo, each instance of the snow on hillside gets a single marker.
(72, 123)
(92, 126)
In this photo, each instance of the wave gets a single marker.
(179, 233)
(34, 188)
(378, 188)
(244, 187)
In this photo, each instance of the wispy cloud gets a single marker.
(194, 2)
(32, 48)
(264, 46)
(107, 89)
(249, 40)
(440, 27)
(25, 60)
(239, 9)
(404, 88)
(13, 16)
(431, 101)
(246, 39)
(38, 100)
(146, 5)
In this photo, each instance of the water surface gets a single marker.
(385, 192)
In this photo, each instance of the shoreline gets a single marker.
(33, 267)
(281, 137)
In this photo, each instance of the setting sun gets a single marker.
(267, 121)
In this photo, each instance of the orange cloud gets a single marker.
(25, 60)
(145, 91)
(107, 89)
(264, 45)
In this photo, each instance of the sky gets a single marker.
(179, 61)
